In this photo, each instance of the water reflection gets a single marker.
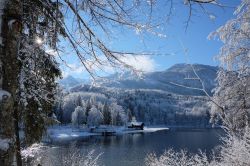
(131, 149)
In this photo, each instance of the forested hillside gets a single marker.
(159, 98)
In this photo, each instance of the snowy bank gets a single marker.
(58, 133)
(68, 132)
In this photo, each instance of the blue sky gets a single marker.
(170, 49)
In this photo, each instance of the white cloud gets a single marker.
(73, 69)
(65, 73)
(140, 62)
(77, 69)
(52, 52)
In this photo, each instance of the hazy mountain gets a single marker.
(172, 80)
(70, 81)
(178, 79)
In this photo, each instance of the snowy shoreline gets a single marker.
(68, 132)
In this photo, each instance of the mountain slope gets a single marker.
(172, 80)
(70, 81)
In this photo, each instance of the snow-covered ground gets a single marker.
(68, 132)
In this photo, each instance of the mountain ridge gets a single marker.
(179, 79)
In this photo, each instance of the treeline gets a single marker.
(90, 109)
(116, 106)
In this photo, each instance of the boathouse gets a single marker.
(136, 125)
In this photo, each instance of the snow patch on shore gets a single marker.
(67, 132)
(154, 129)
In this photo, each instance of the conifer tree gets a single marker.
(106, 115)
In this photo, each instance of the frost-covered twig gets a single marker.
(54, 156)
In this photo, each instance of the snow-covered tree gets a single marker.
(38, 154)
(119, 120)
(129, 114)
(232, 96)
(106, 115)
(116, 109)
(236, 148)
(88, 108)
(59, 104)
(79, 101)
(173, 158)
(92, 100)
(95, 117)
(69, 105)
(70, 102)
(78, 116)
(37, 89)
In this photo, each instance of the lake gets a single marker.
(131, 149)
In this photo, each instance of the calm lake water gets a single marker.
(131, 149)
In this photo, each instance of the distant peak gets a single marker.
(186, 66)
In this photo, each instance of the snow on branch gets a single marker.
(4, 95)
(4, 144)
(38, 154)
(233, 91)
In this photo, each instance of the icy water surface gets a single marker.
(131, 149)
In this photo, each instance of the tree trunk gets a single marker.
(11, 35)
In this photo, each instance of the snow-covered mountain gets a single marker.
(70, 81)
(178, 79)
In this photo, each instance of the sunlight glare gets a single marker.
(39, 40)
